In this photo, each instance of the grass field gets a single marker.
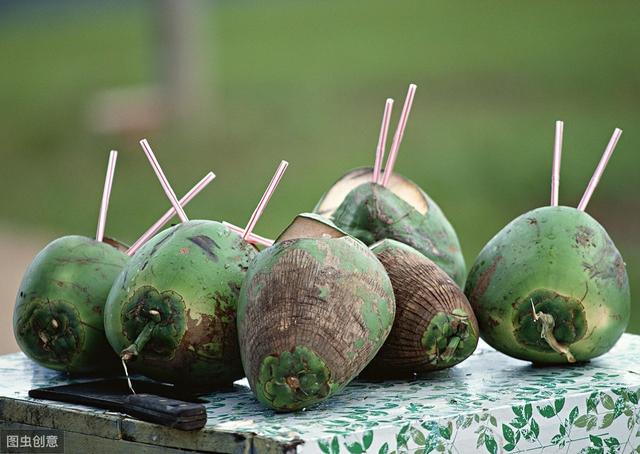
(306, 82)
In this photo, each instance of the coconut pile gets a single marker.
(372, 284)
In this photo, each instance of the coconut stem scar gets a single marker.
(133, 349)
(546, 333)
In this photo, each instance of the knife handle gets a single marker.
(163, 410)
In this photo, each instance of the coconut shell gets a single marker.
(313, 312)
(401, 186)
(57, 319)
(371, 213)
(434, 327)
(562, 262)
(179, 293)
(119, 245)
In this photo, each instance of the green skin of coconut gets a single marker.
(315, 381)
(57, 319)
(563, 262)
(172, 311)
(371, 213)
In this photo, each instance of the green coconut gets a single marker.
(401, 211)
(172, 311)
(57, 320)
(314, 309)
(434, 326)
(550, 288)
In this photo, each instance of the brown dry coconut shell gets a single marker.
(434, 327)
(314, 309)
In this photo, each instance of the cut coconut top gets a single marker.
(390, 243)
(404, 188)
(310, 225)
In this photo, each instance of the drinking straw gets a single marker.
(253, 220)
(163, 180)
(106, 193)
(382, 140)
(555, 170)
(399, 134)
(595, 179)
(252, 238)
(155, 228)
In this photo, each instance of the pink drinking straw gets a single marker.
(555, 170)
(595, 179)
(382, 140)
(253, 238)
(163, 180)
(265, 199)
(155, 228)
(106, 193)
(399, 134)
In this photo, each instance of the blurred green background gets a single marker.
(257, 82)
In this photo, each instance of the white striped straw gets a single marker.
(265, 199)
(595, 179)
(163, 180)
(399, 134)
(155, 228)
(252, 238)
(106, 193)
(555, 170)
(382, 140)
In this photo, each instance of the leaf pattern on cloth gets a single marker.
(489, 403)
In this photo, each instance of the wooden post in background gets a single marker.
(181, 88)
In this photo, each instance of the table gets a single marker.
(490, 403)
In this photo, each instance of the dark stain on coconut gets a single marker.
(207, 245)
(159, 243)
(534, 222)
(155, 249)
(72, 285)
(211, 337)
(606, 268)
(621, 272)
(201, 332)
(125, 275)
(235, 289)
(484, 280)
(206, 342)
(230, 349)
(584, 236)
